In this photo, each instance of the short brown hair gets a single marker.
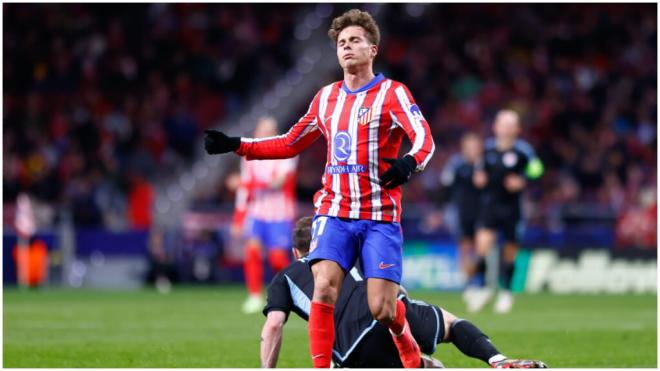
(355, 17)
(302, 234)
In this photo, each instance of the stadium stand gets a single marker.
(95, 110)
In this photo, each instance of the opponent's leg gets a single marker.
(472, 342)
(504, 302)
(466, 250)
(392, 313)
(328, 277)
(479, 297)
(468, 338)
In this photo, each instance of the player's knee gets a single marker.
(448, 319)
(510, 252)
(382, 310)
(324, 291)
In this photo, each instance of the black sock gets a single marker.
(471, 341)
(481, 266)
(508, 275)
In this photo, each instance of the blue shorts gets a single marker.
(272, 235)
(377, 244)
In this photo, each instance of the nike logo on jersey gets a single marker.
(385, 266)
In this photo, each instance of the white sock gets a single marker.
(496, 358)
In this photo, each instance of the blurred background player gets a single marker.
(361, 341)
(507, 164)
(265, 208)
(457, 179)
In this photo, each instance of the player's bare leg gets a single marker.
(381, 295)
(328, 277)
(485, 240)
(253, 269)
(466, 251)
(504, 302)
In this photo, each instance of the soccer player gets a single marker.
(361, 341)
(264, 213)
(363, 118)
(508, 163)
(457, 178)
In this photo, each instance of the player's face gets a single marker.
(471, 148)
(507, 126)
(354, 50)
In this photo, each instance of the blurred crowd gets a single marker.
(100, 99)
(583, 77)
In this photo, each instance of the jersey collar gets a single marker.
(378, 78)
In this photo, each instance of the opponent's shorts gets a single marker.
(377, 244)
(467, 227)
(272, 235)
(377, 349)
(504, 219)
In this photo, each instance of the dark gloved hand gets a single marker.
(216, 142)
(399, 173)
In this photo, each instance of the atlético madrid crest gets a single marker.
(364, 115)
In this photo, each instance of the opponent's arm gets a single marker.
(271, 338)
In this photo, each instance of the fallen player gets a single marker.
(360, 340)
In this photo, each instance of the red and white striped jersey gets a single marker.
(362, 128)
(267, 191)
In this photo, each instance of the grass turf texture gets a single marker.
(203, 327)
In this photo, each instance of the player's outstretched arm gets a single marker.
(217, 142)
(300, 136)
(271, 338)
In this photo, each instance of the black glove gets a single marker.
(399, 173)
(218, 142)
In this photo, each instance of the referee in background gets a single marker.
(508, 163)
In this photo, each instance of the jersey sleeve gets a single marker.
(300, 136)
(279, 296)
(406, 114)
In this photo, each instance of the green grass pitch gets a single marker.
(203, 327)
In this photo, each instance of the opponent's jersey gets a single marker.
(362, 128)
(292, 288)
(457, 176)
(267, 191)
(498, 164)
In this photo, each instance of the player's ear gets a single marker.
(296, 255)
(374, 50)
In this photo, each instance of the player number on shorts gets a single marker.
(318, 226)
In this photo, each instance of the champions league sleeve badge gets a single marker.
(416, 113)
